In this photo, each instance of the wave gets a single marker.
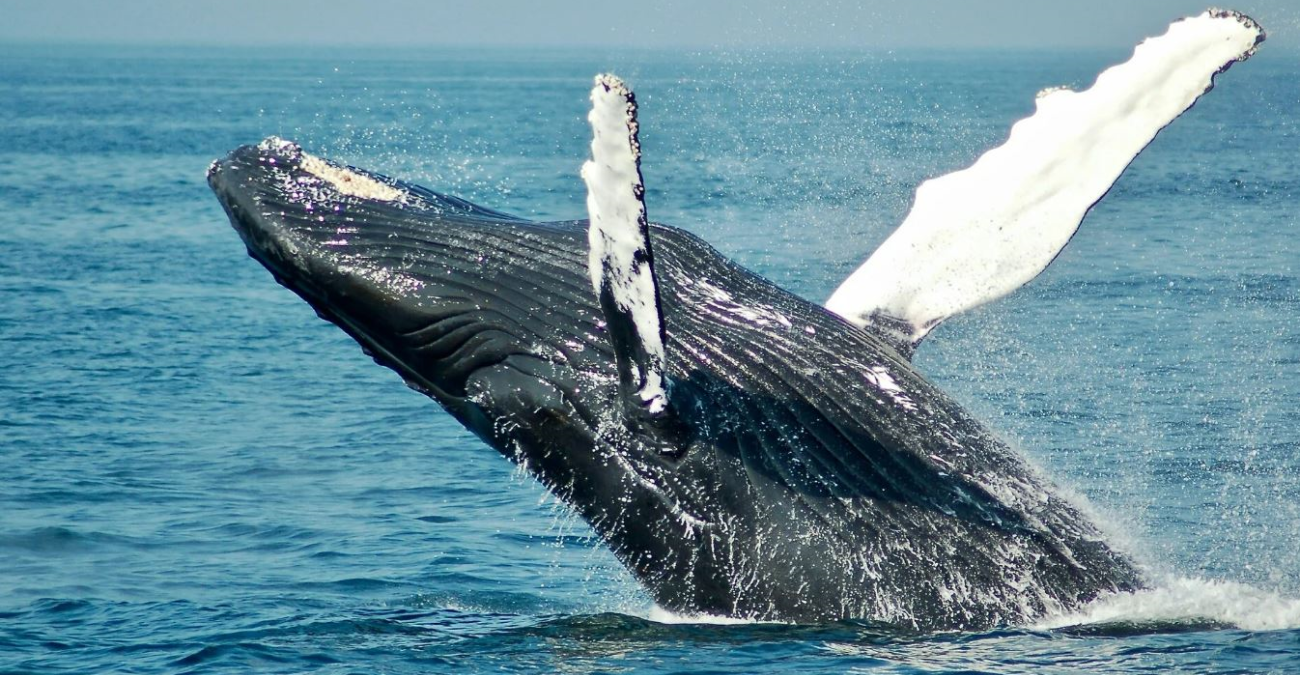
(1175, 604)
(658, 614)
(1189, 601)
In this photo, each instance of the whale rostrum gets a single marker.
(743, 451)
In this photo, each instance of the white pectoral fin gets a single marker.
(620, 262)
(977, 234)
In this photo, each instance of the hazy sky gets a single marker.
(649, 23)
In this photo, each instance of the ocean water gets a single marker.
(200, 476)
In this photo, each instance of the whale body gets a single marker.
(743, 452)
(822, 476)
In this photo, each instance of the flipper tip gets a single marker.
(1247, 22)
(613, 84)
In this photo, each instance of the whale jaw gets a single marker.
(427, 284)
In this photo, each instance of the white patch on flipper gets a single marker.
(977, 234)
(618, 229)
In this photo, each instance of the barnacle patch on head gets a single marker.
(344, 180)
(349, 182)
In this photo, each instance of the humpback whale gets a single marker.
(743, 451)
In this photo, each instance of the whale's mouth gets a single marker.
(432, 286)
(278, 198)
(314, 223)
(294, 213)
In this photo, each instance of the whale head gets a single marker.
(491, 315)
(438, 289)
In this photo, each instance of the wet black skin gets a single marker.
(811, 475)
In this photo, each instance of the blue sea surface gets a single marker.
(200, 476)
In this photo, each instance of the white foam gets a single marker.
(660, 615)
(1189, 599)
(977, 234)
(879, 377)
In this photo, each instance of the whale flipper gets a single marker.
(977, 234)
(620, 260)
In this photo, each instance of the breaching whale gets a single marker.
(743, 451)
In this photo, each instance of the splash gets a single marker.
(1185, 599)
(658, 614)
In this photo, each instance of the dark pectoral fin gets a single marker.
(621, 262)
